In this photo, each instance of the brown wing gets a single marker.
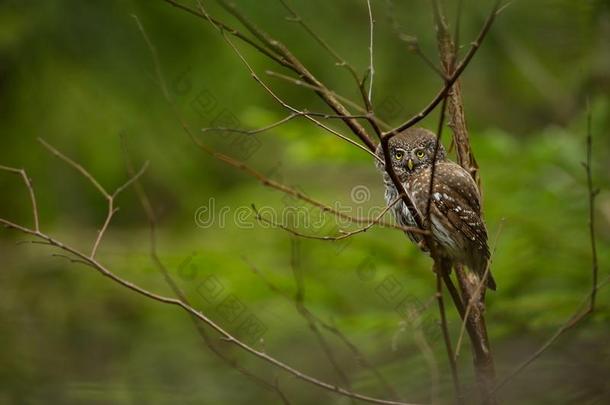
(455, 203)
(456, 198)
(463, 208)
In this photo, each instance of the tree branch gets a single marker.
(367, 112)
(93, 263)
(340, 61)
(343, 234)
(110, 198)
(360, 357)
(152, 221)
(453, 78)
(589, 300)
(265, 180)
(28, 183)
(90, 261)
(446, 337)
(480, 288)
(299, 301)
(371, 60)
(295, 65)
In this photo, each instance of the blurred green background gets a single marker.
(80, 75)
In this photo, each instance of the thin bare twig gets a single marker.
(456, 35)
(90, 261)
(339, 60)
(289, 117)
(474, 299)
(270, 54)
(33, 242)
(474, 318)
(453, 78)
(297, 66)
(95, 264)
(112, 209)
(593, 192)
(344, 234)
(455, 377)
(589, 300)
(371, 60)
(569, 324)
(437, 146)
(411, 42)
(299, 301)
(271, 183)
(413, 318)
(239, 165)
(28, 183)
(301, 83)
(366, 113)
(76, 166)
(110, 198)
(276, 124)
(134, 177)
(273, 94)
(69, 258)
(152, 221)
(360, 357)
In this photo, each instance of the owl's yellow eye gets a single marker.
(420, 154)
(399, 154)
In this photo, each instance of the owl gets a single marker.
(454, 209)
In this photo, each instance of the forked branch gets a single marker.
(28, 183)
(77, 256)
(589, 301)
(474, 47)
(360, 357)
(110, 197)
(149, 212)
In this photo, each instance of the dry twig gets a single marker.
(589, 300)
(89, 260)
(108, 196)
(343, 234)
(299, 301)
(28, 183)
(480, 288)
(340, 61)
(208, 341)
(360, 357)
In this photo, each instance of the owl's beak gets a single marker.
(410, 164)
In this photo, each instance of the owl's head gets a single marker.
(412, 150)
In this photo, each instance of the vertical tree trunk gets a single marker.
(479, 341)
(475, 323)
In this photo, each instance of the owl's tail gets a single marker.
(491, 283)
(480, 267)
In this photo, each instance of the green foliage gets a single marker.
(80, 75)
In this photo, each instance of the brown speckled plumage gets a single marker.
(455, 209)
